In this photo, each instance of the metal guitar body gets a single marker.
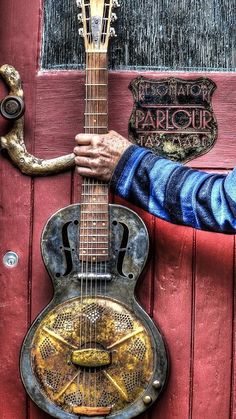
(93, 351)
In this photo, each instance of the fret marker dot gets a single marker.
(94, 258)
(103, 224)
(95, 121)
(94, 239)
(94, 224)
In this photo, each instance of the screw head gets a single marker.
(147, 400)
(156, 384)
(10, 259)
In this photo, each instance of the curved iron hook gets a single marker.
(13, 142)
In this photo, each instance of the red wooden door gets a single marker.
(189, 285)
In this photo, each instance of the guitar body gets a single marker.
(94, 351)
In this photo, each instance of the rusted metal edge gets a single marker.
(14, 143)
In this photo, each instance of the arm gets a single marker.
(177, 193)
(166, 189)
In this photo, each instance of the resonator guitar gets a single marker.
(93, 351)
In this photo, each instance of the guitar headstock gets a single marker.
(96, 17)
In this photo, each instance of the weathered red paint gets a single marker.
(189, 284)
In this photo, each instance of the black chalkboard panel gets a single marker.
(152, 34)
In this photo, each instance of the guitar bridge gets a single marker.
(92, 411)
(94, 277)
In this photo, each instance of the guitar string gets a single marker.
(88, 107)
(89, 199)
(92, 195)
(84, 238)
(95, 332)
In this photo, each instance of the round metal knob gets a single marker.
(12, 107)
(156, 384)
(147, 400)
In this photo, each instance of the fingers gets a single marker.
(83, 162)
(86, 139)
(85, 171)
(83, 151)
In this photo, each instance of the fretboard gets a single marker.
(94, 221)
(96, 106)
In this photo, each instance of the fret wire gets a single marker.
(91, 229)
(95, 126)
(95, 68)
(99, 184)
(91, 248)
(94, 194)
(89, 255)
(96, 99)
(95, 84)
(95, 113)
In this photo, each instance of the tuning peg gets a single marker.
(81, 32)
(112, 32)
(116, 3)
(79, 3)
(113, 17)
(80, 17)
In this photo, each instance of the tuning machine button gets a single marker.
(113, 17)
(81, 32)
(80, 17)
(112, 32)
(116, 3)
(79, 3)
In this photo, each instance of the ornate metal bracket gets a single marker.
(13, 142)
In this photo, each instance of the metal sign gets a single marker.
(173, 117)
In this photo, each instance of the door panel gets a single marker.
(188, 286)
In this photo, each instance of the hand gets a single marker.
(97, 155)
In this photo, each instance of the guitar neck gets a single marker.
(94, 221)
(96, 100)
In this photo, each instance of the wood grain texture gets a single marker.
(160, 34)
(15, 236)
(172, 310)
(16, 208)
(213, 325)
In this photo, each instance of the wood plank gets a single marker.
(15, 215)
(233, 368)
(18, 24)
(213, 326)
(172, 309)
